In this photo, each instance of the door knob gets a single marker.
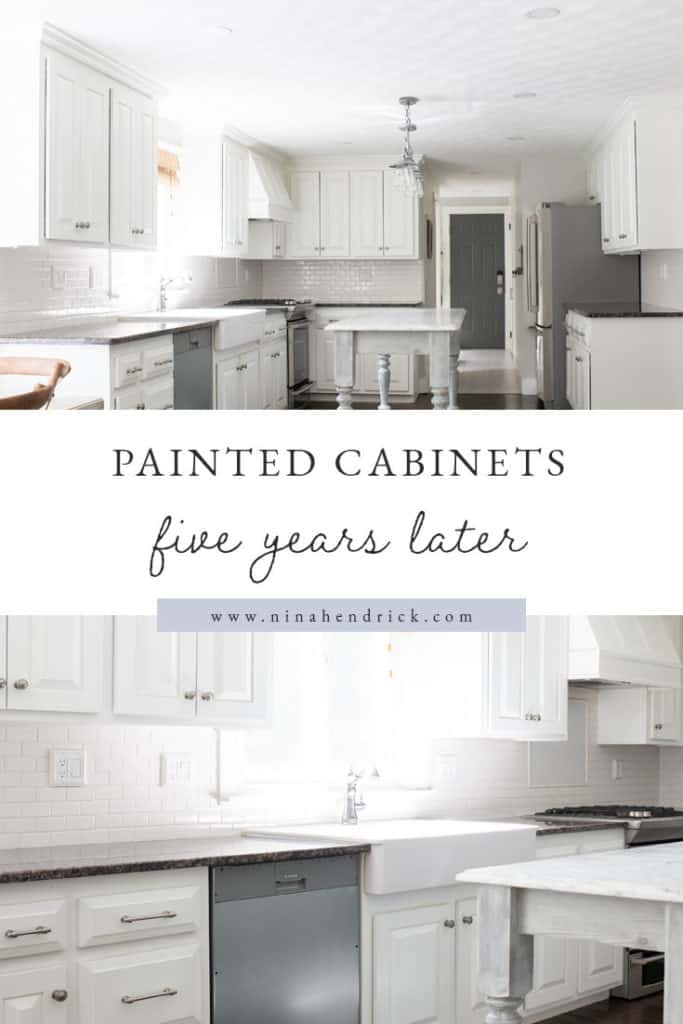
(449, 923)
(21, 684)
(60, 995)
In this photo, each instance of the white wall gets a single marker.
(662, 279)
(344, 280)
(42, 285)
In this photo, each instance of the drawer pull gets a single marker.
(164, 916)
(40, 930)
(450, 923)
(468, 919)
(60, 995)
(162, 362)
(129, 1000)
(133, 369)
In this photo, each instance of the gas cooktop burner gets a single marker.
(612, 811)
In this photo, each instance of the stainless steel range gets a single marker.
(299, 324)
(643, 825)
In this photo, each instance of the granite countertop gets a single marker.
(622, 309)
(551, 827)
(49, 862)
(421, 320)
(108, 333)
(644, 873)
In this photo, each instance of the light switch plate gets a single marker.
(176, 769)
(617, 770)
(67, 767)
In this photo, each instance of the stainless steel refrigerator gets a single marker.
(565, 266)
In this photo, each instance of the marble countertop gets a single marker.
(402, 319)
(622, 309)
(48, 862)
(109, 332)
(635, 873)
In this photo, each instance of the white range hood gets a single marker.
(268, 196)
(626, 650)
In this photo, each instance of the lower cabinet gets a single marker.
(237, 380)
(600, 967)
(274, 373)
(555, 973)
(152, 961)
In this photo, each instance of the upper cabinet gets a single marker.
(634, 175)
(215, 196)
(76, 152)
(234, 198)
(357, 214)
(133, 169)
(100, 169)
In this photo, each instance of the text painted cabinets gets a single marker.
(189, 676)
(133, 169)
(76, 152)
(361, 214)
(54, 663)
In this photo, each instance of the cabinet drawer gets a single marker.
(157, 987)
(157, 356)
(30, 928)
(127, 365)
(34, 996)
(128, 916)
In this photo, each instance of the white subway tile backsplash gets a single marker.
(345, 280)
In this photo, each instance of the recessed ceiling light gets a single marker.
(524, 95)
(543, 13)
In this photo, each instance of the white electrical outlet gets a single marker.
(67, 767)
(57, 278)
(448, 768)
(176, 770)
(617, 770)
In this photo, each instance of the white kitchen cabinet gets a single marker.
(274, 372)
(76, 152)
(400, 220)
(403, 381)
(237, 380)
(414, 954)
(469, 1001)
(233, 676)
(600, 967)
(334, 214)
(235, 198)
(57, 663)
(638, 715)
(154, 673)
(33, 995)
(267, 240)
(303, 234)
(133, 214)
(555, 973)
(367, 214)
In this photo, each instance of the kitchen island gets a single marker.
(622, 898)
(384, 332)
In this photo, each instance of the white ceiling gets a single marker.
(313, 76)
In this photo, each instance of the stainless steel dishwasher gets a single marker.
(285, 942)
(193, 369)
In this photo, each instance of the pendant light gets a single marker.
(408, 169)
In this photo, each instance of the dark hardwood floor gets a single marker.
(617, 1011)
(464, 402)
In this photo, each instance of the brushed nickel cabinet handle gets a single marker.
(165, 915)
(623, 236)
(449, 923)
(21, 684)
(3, 684)
(207, 695)
(60, 995)
(129, 1000)
(40, 930)
(189, 695)
(467, 919)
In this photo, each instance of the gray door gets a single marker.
(478, 277)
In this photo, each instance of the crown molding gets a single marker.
(57, 39)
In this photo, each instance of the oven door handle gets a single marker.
(647, 959)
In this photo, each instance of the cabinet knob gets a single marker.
(3, 684)
(449, 923)
(623, 236)
(60, 995)
(189, 695)
(467, 919)
(207, 695)
(607, 239)
(21, 684)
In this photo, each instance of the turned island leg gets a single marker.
(343, 368)
(384, 380)
(505, 955)
(439, 360)
(453, 358)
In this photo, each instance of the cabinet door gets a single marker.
(251, 379)
(470, 1004)
(29, 996)
(324, 361)
(235, 198)
(334, 214)
(279, 239)
(626, 226)
(133, 169)
(233, 675)
(600, 967)
(555, 972)
(366, 214)
(413, 966)
(268, 375)
(58, 663)
(570, 371)
(400, 220)
(609, 201)
(303, 234)
(229, 390)
(664, 716)
(527, 695)
(76, 152)
(273, 374)
(582, 376)
(158, 393)
(154, 673)
(132, 397)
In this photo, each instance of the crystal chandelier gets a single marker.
(409, 170)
